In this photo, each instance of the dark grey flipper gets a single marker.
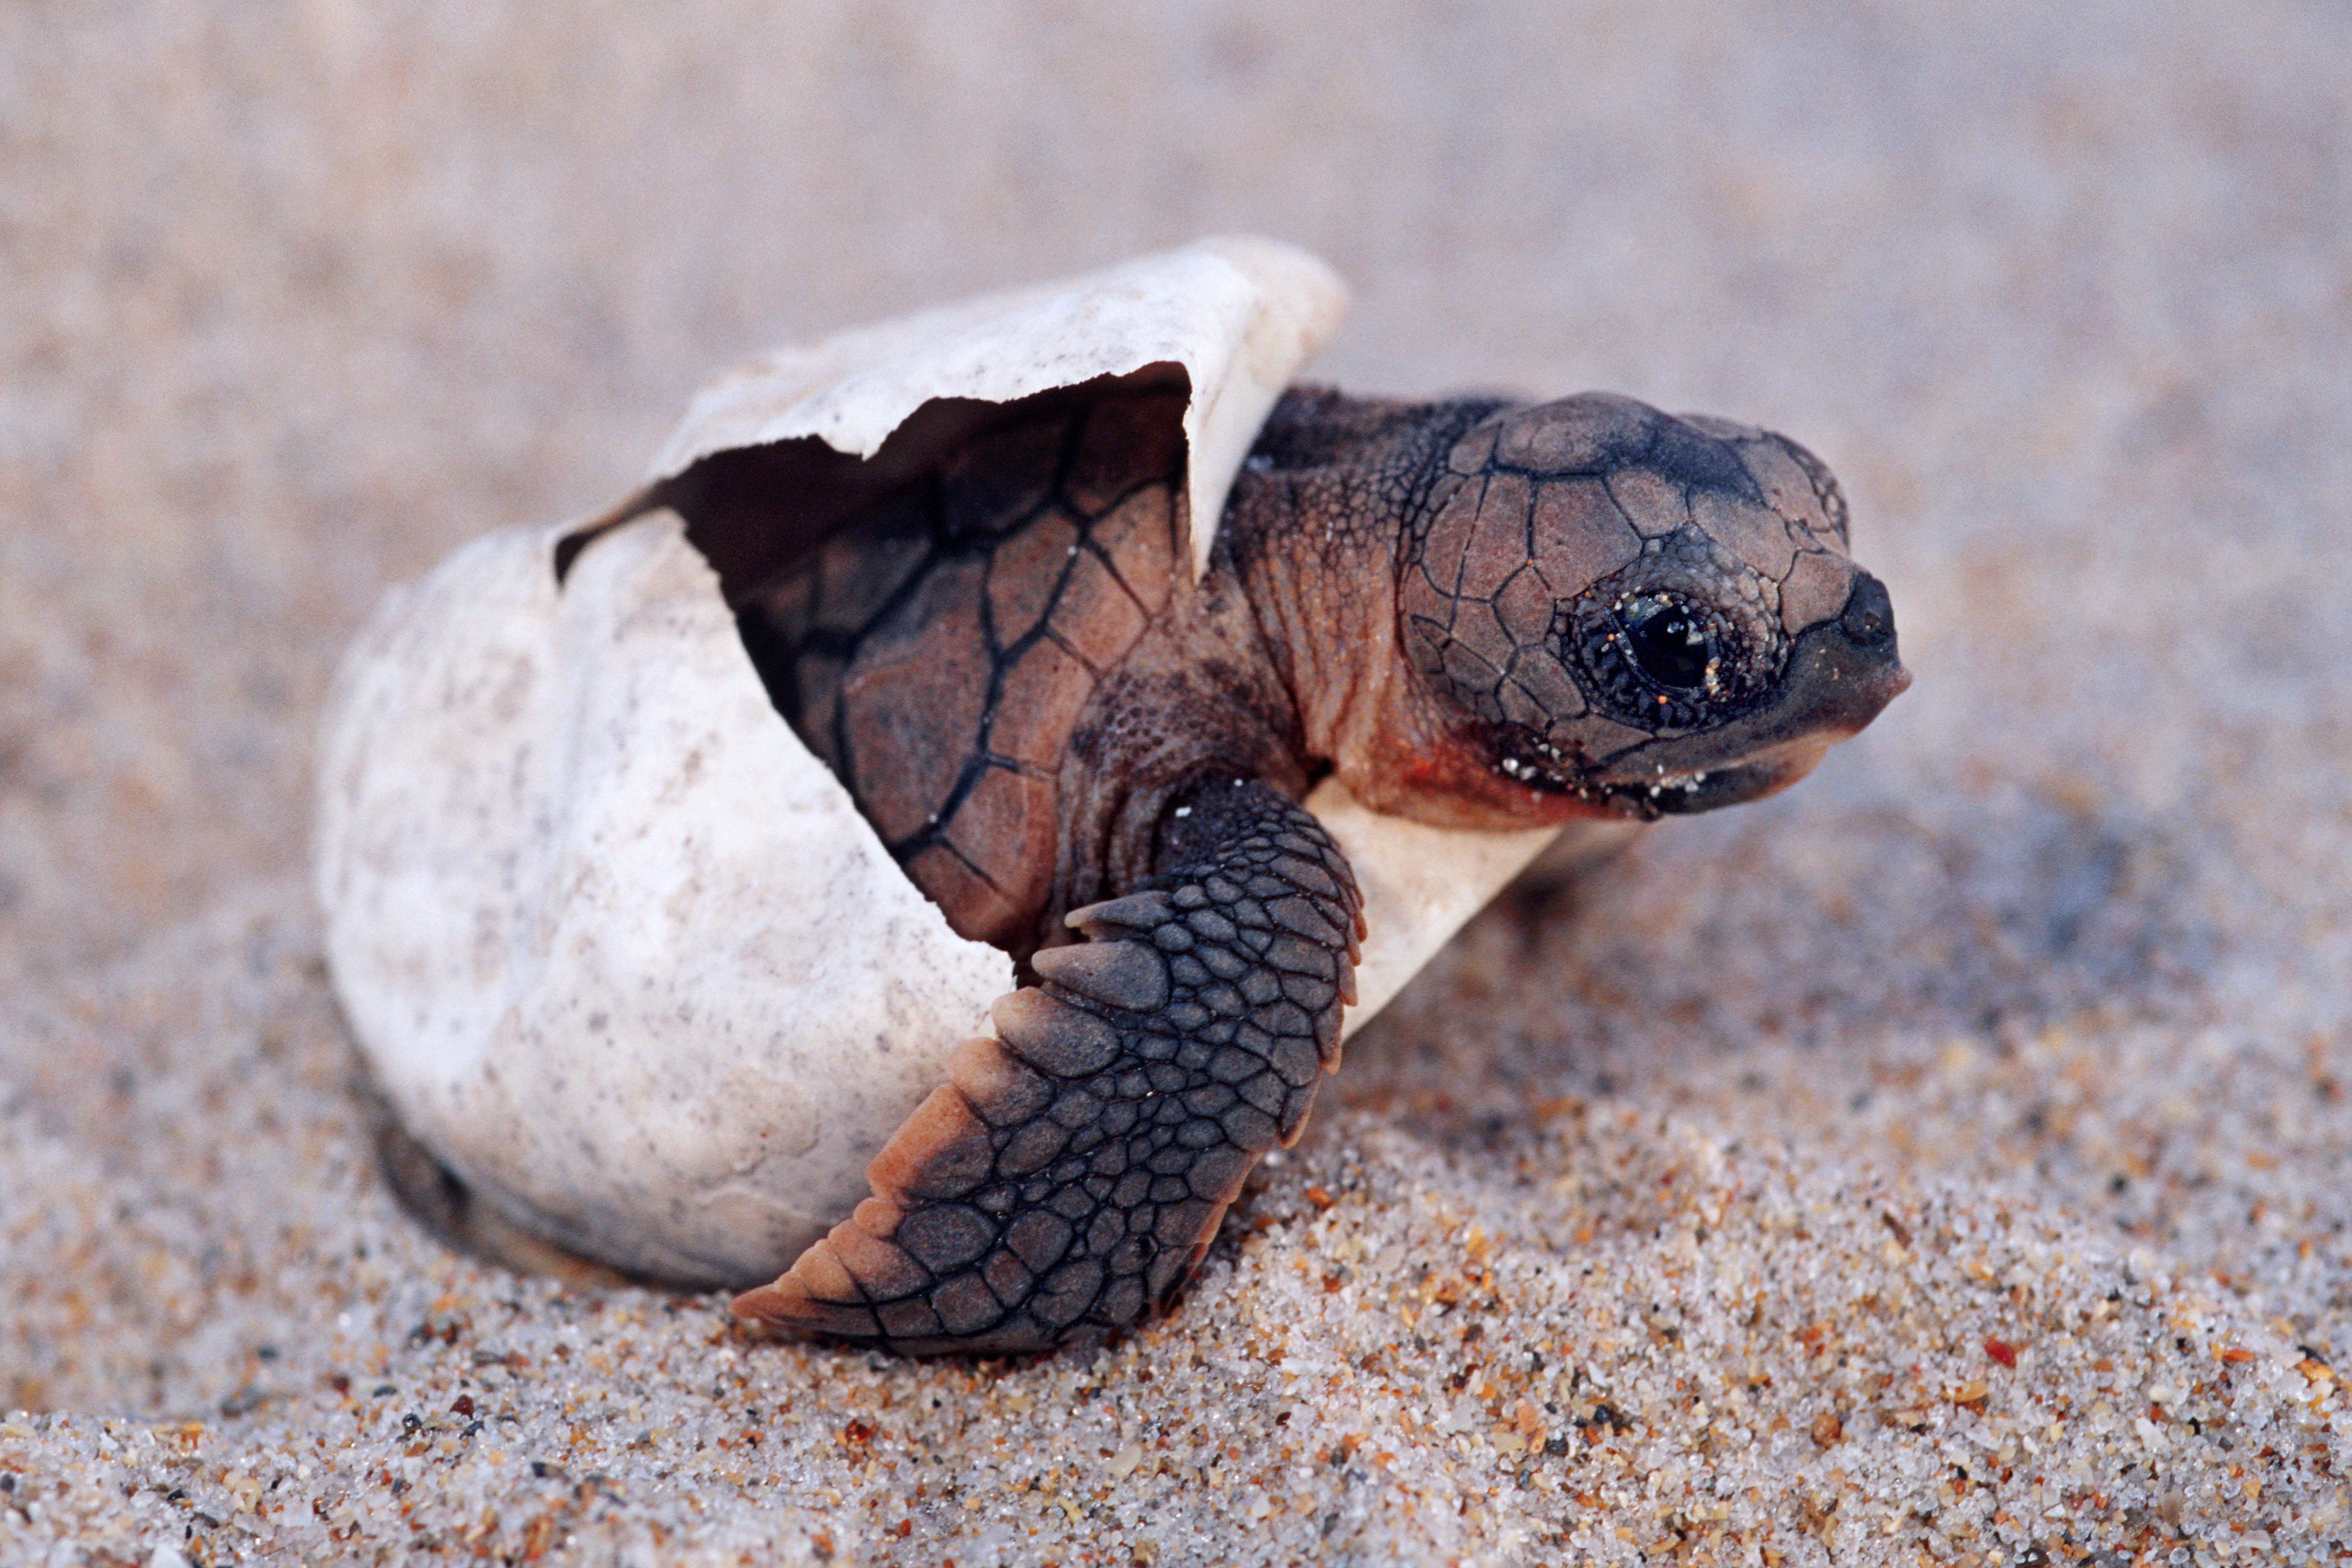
(1067, 1180)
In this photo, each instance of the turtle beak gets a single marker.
(1855, 670)
(1842, 671)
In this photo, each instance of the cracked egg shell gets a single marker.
(621, 953)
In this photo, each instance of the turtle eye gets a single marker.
(1660, 656)
(1668, 643)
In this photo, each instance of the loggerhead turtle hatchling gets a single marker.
(1471, 612)
(1086, 733)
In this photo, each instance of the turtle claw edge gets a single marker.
(1069, 1177)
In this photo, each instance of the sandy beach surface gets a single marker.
(1948, 1163)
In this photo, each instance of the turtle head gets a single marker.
(1612, 611)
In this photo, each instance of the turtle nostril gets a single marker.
(1868, 619)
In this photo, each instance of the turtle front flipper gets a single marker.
(1070, 1174)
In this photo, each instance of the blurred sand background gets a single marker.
(1948, 1160)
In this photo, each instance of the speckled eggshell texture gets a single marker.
(620, 950)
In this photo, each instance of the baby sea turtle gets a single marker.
(1471, 612)
(1087, 729)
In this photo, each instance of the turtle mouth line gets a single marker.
(1665, 792)
(1687, 794)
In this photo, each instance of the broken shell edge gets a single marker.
(1241, 314)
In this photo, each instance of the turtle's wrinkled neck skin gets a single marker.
(1321, 521)
(1472, 614)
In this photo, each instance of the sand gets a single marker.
(1943, 1163)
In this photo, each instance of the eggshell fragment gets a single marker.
(1421, 884)
(1240, 313)
(622, 953)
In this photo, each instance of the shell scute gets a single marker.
(914, 697)
(1025, 573)
(1029, 721)
(1006, 827)
(1095, 616)
(1137, 540)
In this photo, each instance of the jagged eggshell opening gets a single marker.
(1240, 313)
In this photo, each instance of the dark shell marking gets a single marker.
(1472, 613)
(937, 652)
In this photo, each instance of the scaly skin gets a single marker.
(1473, 614)
(1070, 1174)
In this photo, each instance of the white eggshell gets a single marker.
(621, 951)
(1422, 883)
(1240, 313)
